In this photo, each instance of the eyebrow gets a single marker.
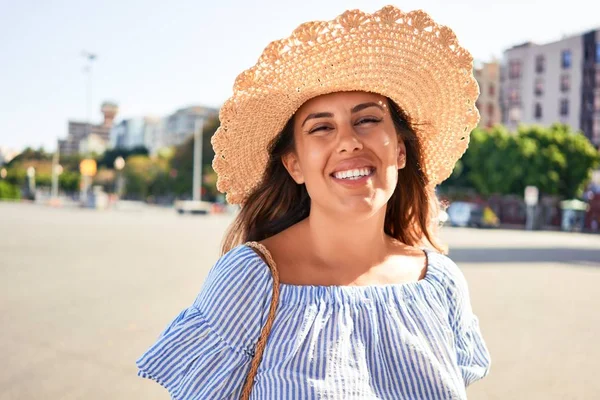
(355, 109)
(362, 106)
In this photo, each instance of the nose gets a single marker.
(348, 140)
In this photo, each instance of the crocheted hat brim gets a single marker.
(406, 57)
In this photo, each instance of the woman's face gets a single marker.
(347, 152)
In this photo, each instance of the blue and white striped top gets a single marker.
(418, 340)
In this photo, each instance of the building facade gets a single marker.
(554, 82)
(83, 137)
(488, 103)
(137, 132)
(179, 126)
(157, 133)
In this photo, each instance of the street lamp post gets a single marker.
(197, 184)
(31, 180)
(119, 164)
(56, 171)
(90, 57)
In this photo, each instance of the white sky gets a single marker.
(156, 56)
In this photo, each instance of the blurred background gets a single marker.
(110, 219)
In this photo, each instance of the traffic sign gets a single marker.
(531, 195)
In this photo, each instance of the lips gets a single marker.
(353, 173)
(351, 165)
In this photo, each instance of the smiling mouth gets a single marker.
(354, 174)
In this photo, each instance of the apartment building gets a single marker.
(83, 137)
(488, 77)
(553, 82)
(137, 132)
(180, 125)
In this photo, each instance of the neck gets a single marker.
(339, 242)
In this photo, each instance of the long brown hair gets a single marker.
(279, 202)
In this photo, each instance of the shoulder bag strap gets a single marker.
(264, 334)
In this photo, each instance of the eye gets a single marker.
(368, 120)
(320, 128)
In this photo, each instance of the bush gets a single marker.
(8, 191)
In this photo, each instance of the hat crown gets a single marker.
(404, 56)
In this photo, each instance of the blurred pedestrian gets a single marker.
(332, 283)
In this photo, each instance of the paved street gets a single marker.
(84, 293)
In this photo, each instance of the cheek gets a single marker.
(386, 146)
(314, 159)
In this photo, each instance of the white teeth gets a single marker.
(352, 173)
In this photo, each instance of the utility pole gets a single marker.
(55, 172)
(90, 57)
(197, 184)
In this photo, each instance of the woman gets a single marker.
(331, 284)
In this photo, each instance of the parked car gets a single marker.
(462, 213)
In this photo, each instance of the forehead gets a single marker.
(339, 100)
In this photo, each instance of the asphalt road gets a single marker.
(84, 293)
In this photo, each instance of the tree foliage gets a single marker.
(30, 154)
(107, 160)
(556, 160)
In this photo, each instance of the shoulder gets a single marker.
(238, 263)
(447, 274)
(237, 272)
(444, 265)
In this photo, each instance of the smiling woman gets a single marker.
(331, 283)
(390, 151)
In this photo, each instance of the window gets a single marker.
(514, 97)
(539, 87)
(538, 111)
(597, 52)
(597, 100)
(565, 83)
(566, 59)
(491, 90)
(540, 64)
(490, 110)
(514, 115)
(596, 129)
(514, 69)
(564, 107)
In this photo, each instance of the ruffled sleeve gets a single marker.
(205, 352)
(472, 353)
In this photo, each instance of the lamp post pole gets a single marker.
(197, 184)
(90, 57)
(119, 165)
(31, 181)
(56, 170)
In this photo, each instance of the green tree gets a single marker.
(182, 164)
(69, 181)
(491, 161)
(9, 191)
(556, 160)
(107, 160)
(140, 172)
(30, 154)
(569, 159)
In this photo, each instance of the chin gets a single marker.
(358, 208)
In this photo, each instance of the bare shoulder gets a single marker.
(412, 260)
(282, 243)
(288, 249)
(407, 252)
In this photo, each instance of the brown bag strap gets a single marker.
(264, 334)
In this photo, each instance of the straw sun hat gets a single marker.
(404, 56)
